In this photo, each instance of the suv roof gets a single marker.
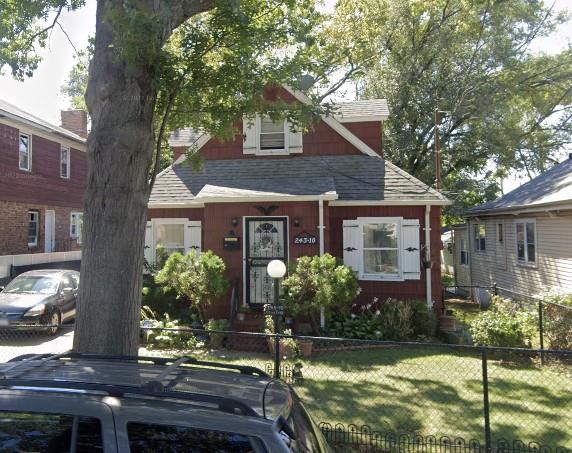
(41, 272)
(230, 388)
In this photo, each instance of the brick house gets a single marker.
(274, 192)
(42, 174)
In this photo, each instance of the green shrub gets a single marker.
(216, 340)
(163, 301)
(423, 321)
(318, 282)
(199, 279)
(501, 328)
(558, 321)
(160, 338)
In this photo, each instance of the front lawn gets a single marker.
(432, 391)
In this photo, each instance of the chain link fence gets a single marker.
(384, 396)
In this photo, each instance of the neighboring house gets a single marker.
(522, 240)
(42, 176)
(275, 193)
(447, 256)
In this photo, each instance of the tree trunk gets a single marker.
(121, 100)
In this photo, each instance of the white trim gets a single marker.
(188, 204)
(257, 198)
(37, 239)
(29, 151)
(68, 169)
(78, 215)
(428, 280)
(41, 131)
(360, 119)
(436, 202)
(526, 263)
(540, 208)
(198, 144)
(52, 225)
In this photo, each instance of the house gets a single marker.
(276, 193)
(42, 175)
(522, 240)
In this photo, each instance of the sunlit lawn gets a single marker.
(432, 391)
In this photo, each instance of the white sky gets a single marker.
(40, 95)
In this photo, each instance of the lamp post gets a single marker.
(276, 270)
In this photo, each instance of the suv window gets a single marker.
(147, 438)
(49, 433)
(67, 282)
(308, 434)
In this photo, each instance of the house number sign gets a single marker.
(305, 239)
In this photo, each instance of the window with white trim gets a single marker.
(272, 134)
(464, 251)
(526, 242)
(24, 154)
(381, 249)
(479, 231)
(170, 237)
(33, 227)
(76, 224)
(264, 137)
(64, 162)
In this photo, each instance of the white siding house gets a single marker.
(522, 241)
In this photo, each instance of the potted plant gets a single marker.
(305, 346)
(287, 345)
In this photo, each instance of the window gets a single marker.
(272, 134)
(24, 153)
(380, 249)
(526, 242)
(171, 237)
(27, 431)
(480, 237)
(64, 162)
(500, 232)
(33, 227)
(76, 224)
(464, 252)
(145, 437)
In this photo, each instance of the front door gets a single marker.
(266, 240)
(50, 231)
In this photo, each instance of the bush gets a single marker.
(501, 328)
(163, 301)
(216, 340)
(319, 282)
(159, 338)
(423, 321)
(558, 321)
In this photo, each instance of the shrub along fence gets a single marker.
(414, 396)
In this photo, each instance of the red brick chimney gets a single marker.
(75, 121)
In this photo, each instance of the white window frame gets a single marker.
(78, 216)
(171, 221)
(271, 152)
(28, 151)
(477, 245)
(463, 249)
(398, 221)
(68, 160)
(526, 262)
(37, 221)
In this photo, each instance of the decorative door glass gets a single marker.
(266, 240)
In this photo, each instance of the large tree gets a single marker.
(508, 109)
(156, 66)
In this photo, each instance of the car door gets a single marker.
(67, 296)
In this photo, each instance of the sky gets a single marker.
(40, 95)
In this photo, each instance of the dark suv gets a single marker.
(84, 403)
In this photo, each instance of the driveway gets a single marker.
(15, 343)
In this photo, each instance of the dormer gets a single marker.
(264, 137)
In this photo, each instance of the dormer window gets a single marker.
(272, 134)
(265, 137)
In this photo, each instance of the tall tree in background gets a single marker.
(509, 110)
(156, 66)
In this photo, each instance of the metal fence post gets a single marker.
(541, 329)
(495, 289)
(486, 407)
(276, 356)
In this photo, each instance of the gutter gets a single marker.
(429, 296)
(321, 228)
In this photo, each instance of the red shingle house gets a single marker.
(276, 193)
(42, 174)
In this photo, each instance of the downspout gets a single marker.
(321, 228)
(429, 300)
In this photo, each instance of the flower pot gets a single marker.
(286, 350)
(305, 347)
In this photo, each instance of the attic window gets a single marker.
(272, 135)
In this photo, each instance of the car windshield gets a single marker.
(309, 437)
(32, 285)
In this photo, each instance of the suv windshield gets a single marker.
(33, 285)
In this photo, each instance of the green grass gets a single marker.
(432, 391)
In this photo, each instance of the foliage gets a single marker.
(216, 340)
(390, 319)
(178, 338)
(288, 344)
(504, 324)
(318, 282)
(199, 278)
(447, 280)
(508, 109)
(558, 321)
(165, 302)
(76, 84)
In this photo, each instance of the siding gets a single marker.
(554, 256)
(462, 271)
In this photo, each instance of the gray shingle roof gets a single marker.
(364, 108)
(351, 177)
(16, 113)
(551, 187)
(184, 137)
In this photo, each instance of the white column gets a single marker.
(428, 256)
(321, 228)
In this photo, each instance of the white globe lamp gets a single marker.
(276, 269)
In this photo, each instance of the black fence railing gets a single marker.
(438, 396)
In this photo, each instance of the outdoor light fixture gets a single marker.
(234, 221)
(296, 222)
(276, 269)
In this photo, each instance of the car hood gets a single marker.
(18, 302)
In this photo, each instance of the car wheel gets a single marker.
(54, 319)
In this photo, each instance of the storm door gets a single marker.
(266, 240)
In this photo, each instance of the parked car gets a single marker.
(41, 297)
(76, 402)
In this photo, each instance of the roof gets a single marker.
(333, 177)
(247, 385)
(553, 187)
(17, 114)
(364, 110)
(184, 137)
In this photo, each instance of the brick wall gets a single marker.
(14, 228)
